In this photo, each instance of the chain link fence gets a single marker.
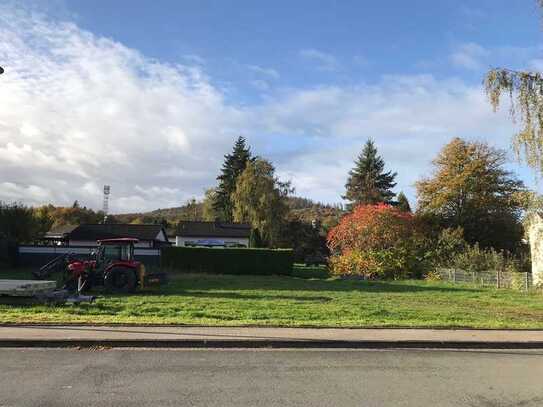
(490, 278)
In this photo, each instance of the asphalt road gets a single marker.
(137, 377)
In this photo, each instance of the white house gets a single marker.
(212, 234)
(149, 236)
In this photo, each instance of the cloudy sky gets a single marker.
(149, 96)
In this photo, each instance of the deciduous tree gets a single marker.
(209, 212)
(471, 189)
(524, 90)
(259, 199)
(74, 215)
(22, 224)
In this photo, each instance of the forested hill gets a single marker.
(302, 209)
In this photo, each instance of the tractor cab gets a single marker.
(114, 250)
(113, 264)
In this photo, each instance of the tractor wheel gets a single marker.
(120, 280)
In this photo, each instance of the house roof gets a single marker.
(119, 240)
(107, 231)
(213, 229)
(60, 231)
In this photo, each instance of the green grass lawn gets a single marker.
(297, 301)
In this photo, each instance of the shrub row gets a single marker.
(8, 253)
(228, 261)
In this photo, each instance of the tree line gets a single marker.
(25, 224)
(469, 189)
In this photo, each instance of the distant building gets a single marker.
(152, 236)
(212, 234)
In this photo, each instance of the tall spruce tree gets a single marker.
(403, 202)
(233, 166)
(367, 182)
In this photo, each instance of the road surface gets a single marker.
(183, 377)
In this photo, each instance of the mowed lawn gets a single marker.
(297, 301)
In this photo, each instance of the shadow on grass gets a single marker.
(308, 272)
(205, 282)
(228, 287)
(243, 296)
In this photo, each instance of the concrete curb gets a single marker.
(259, 344)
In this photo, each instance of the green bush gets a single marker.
(228, 261)
(8, 253)
(474, 259)
(518, 281)
(448, 245)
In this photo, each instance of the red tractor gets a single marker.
(112, 265)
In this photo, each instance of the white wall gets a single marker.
(180, 240)
(161, 237)
(535, 236)
(93, 243)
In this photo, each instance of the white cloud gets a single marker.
(85, 111)
(536, 65)
(194, 59)
(323, 60)
(260, 85)
(475, 57)
(24, 193)
(269, 72)
(410, 118)
(470, 56)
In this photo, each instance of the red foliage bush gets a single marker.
(370, 227)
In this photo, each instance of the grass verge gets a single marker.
(306, 299)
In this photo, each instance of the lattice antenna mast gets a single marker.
(105, 207)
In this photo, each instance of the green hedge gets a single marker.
(228, 261)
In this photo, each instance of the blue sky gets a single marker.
(359, 40)
(148, 96)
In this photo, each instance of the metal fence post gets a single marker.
(497, 278)
(526, 280)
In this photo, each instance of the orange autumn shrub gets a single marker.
(355, 263)
(374, 241)
(370, 227)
